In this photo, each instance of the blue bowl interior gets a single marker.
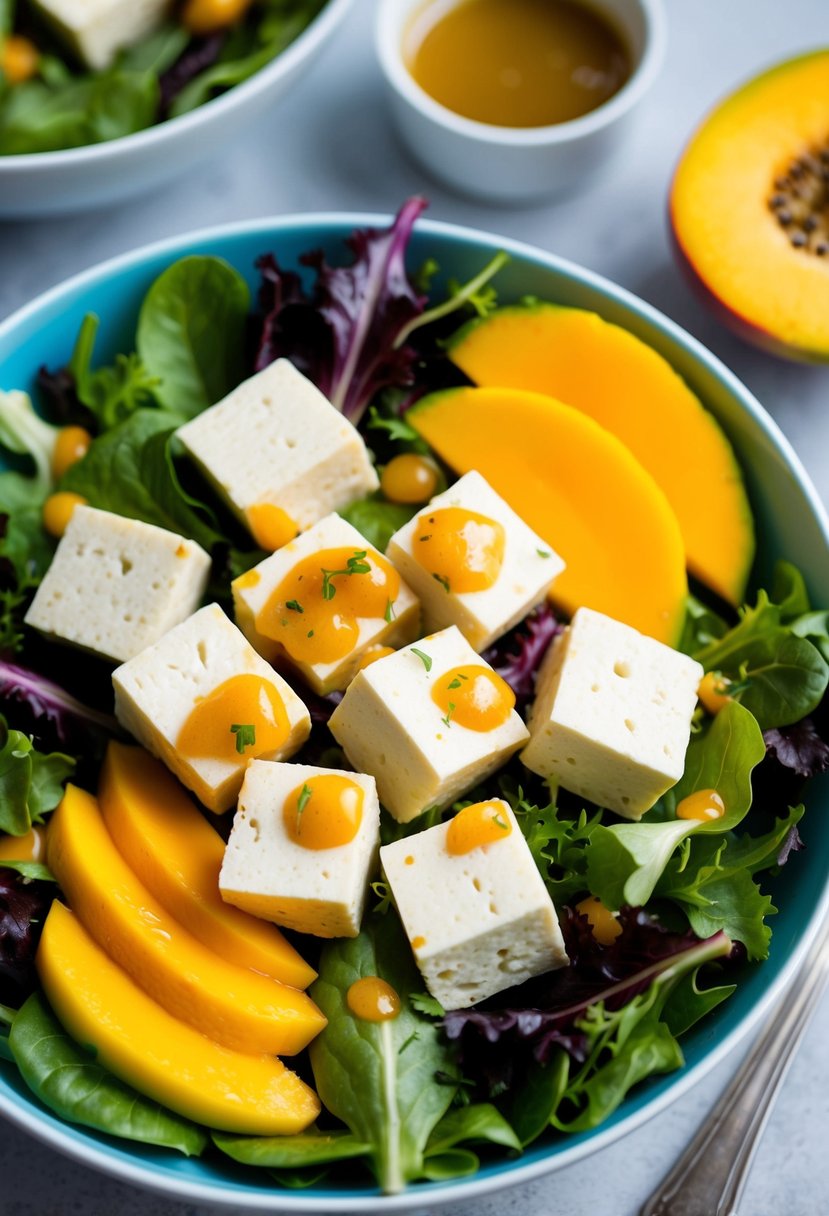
(790, 523)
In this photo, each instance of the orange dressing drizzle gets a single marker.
(477, 825)
(373, 654)
(603, 923)
(373, 1000)
(270, 526)
(324, 812)
(314, 611)
(473, 696)
(704, 804)
(242, 718)
(418, 943)
(712, 691)
(463, 550)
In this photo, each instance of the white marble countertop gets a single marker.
(329, 146)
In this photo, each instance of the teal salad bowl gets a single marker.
(790, 521)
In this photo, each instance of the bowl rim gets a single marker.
(65, 1138)
(158, 135)
(390, 20)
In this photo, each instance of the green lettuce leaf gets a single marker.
(31, 782)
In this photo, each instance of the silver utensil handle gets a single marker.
(709, 1177)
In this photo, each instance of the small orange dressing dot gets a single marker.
(409, 478)
(418, 943)
(603, 923)
(373, 1000)
(58, 509)
(712, 692)
(410, 860)
(462, 550)
(71, 445)
(704, 804)
(325, 812)
(473, 696)
(477, 825)
(270, 526)
(241, 718)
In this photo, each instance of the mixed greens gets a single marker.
(429, 1094)
(56, 102)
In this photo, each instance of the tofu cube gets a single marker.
(612, 714)
(96, 30)
(526, 574)
(266, 872)
(419, 752)
(156, 692)
(253, 590)
(478, 921)
(116, 585)
(276, 450)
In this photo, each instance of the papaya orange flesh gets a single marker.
(580, 489)
(771, 283)
(627, 387)
(177, 855)
(140, 1042)
(234, 1006)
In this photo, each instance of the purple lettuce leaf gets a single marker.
(798, 747)
(344, 335)
(198, 55)
(517, 656)
(791, 844)
(47, 701)
(23, 908)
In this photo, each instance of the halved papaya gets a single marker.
(750, 208)
(579, 488)
(629, 388)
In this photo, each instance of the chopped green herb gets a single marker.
(444, 582)
(303, 800)
(294, 606)
(245, 736)
(455, 683)
(310, 633)
(354, 565)
(449, 713)
(389, 613)
(424, 658)
(428, 536)
(543, 553)
(501, 823)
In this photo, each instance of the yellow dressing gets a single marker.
(418, 943)
(270, 526)
(71, 445)
(603, 923)
(473, 696)
(58, 509)
(461, 549)
(712, 692)
(325, 812)
(373, 1000)
(477, 825)
(704, 804)
(373, 654)
(242, 718)
(409, 478)
(314, 612)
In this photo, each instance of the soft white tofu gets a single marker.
(265, 872)
(528, 570)
(275, 441)
(389, 725)
(253, 590)
(116, 585)
(612, 714)
(96, 30)
(156, 691)
(477, 922)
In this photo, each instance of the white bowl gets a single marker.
(54, 183)
(517, 163)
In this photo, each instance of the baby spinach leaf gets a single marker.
(815, 627)
(377, 520)
(191, 333)
(702, 626)
(624, 862)
(110, 393)
(530, 1106)
(30, 869)
(31, 782)
(292, 1152)
(478, 1123)
(379, 1078)
(77, 1089)
(688, 1002)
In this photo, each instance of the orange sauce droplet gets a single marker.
(712, 691)
(71, 444)
(58, 509)
(373, 654)
(373, 1000)
(270, 526)
(418, 943)
(473, 696)
(703, 804)
(19, 60)
(29, 847)
(461, 549)
(242, 702)
(314, 611)
(325, 812)
(249, 579)
(409, 860)
(409, 478)
(477, 825)
(603, 923)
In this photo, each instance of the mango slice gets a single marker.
(580, 488)
(177, 855)
(237, 1007)
(100, 1006)
(627, 387)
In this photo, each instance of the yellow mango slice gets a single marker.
(29, 847)
(236, 1007)
(579, 488)
(140, 1042)
(628, 388)
(177, 855)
